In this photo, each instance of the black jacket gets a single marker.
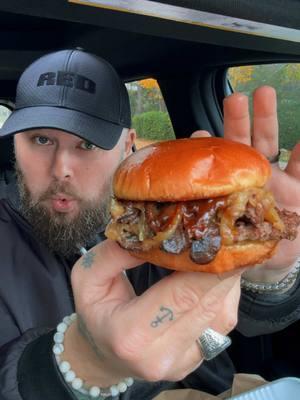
(35, 295)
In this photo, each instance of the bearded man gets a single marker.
(60, 200)
(71, 128)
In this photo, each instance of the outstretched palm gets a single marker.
(285, 185)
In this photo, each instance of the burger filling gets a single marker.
(200, 226)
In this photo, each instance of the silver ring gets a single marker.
(274, 159)
(212, 343)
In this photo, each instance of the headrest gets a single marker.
(6, 153)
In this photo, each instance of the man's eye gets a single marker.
(43, 140)
(88, 146)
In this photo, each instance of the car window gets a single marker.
(285, 78)
(150, 117)
(4, 113)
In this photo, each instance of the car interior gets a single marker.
(186, 45)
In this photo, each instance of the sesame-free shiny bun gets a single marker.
(189, 169)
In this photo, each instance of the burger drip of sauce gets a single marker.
(198, 229)
(201, 226)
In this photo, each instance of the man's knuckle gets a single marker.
(185, 298)
(231, 323)
(210, 303)
(150, 370)
(124, 349)
(178, 376)
(154, 374)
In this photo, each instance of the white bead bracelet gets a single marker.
(95, 392)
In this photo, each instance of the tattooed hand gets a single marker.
(152, 336)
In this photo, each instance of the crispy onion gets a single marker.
(140, 230)
(116, 208)
(157, 223)
(156, 240)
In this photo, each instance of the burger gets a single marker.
(197, 204)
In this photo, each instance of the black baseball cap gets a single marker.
(73, 91)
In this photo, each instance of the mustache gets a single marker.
(61, 188)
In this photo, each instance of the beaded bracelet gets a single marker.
(95, 392)
(285, 283)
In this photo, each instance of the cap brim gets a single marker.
(102, 133)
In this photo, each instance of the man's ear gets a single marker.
(129, 142)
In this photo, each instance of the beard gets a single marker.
(64, 235)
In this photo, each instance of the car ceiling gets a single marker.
(138, 45)
(141, 45)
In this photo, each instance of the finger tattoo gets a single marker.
(166, 314)
(88, 259)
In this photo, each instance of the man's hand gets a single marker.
(152, 336)
(285, 185)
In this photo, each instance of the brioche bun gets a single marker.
(190, 169)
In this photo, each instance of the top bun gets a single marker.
(190, 169)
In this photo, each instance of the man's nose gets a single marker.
(62, 167)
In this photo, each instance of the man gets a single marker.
(71, 128)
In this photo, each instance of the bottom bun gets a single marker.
(228, 257)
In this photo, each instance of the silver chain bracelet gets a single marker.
(285, 283)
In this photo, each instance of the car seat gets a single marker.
(7, 175)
